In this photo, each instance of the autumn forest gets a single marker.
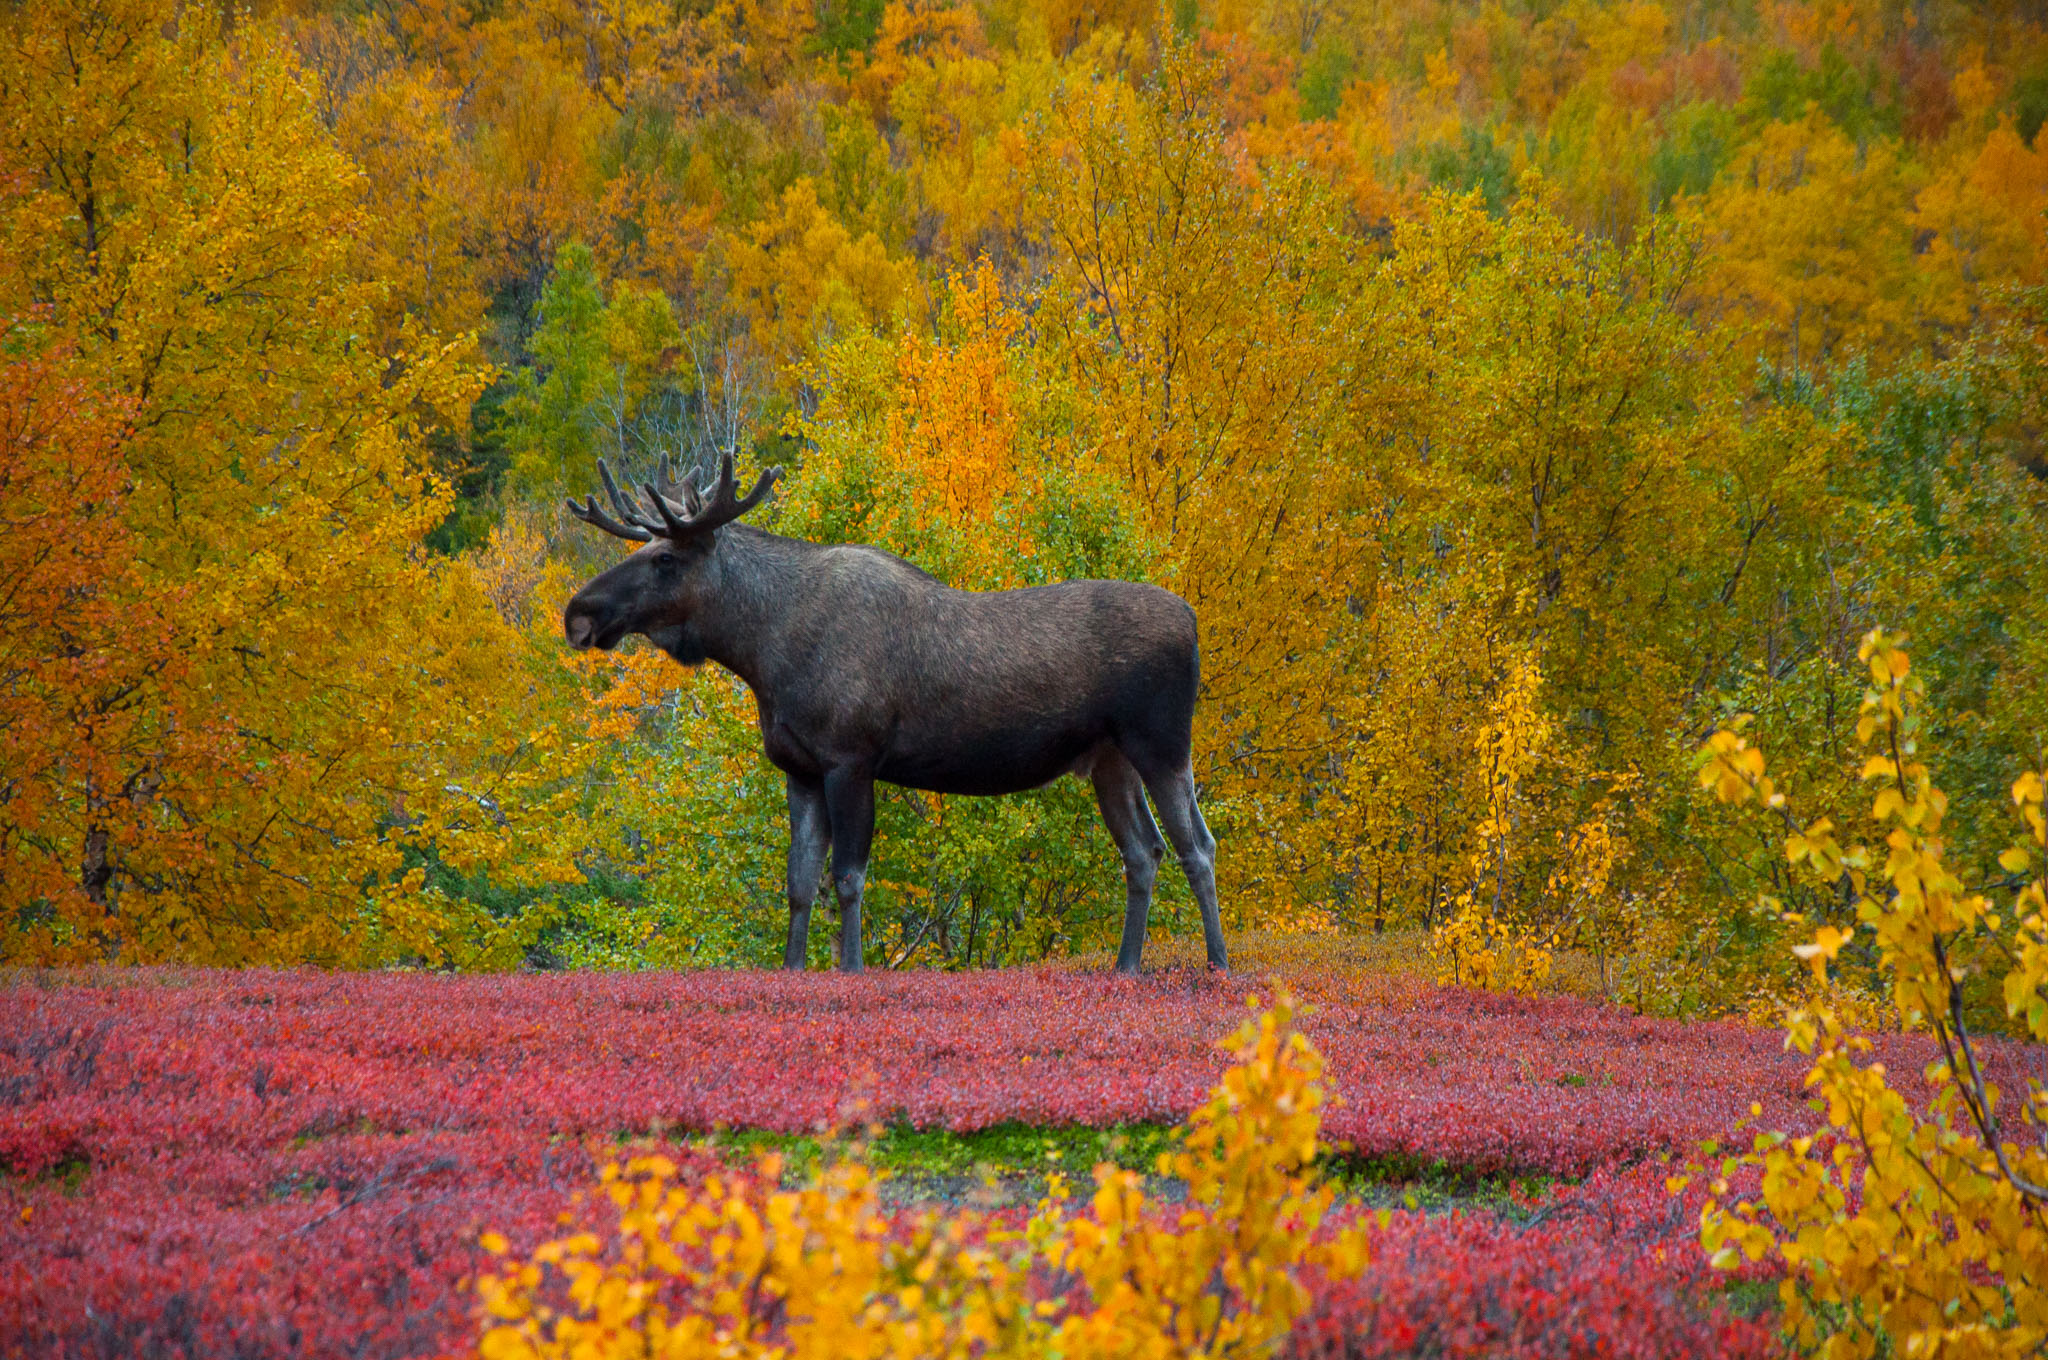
(1517, 392)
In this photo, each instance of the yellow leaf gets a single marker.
(1827, 942)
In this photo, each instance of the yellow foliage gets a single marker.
(799, 275)
(733, 1266)
(419, 188)
(1484, 951)
(1482, 947)
(177, 214)
(1906, 1228)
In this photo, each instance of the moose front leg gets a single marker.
(850, 805)
(809, 836)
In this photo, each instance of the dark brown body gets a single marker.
(866, 668)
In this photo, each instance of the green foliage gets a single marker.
(476, 468)
(848, 26)
(548, 425)
(863, 186)
(1474, 163)
(1012, 1150)
(1323, 77)
(602, 380)
(1785, 84)
(2030, 104)
(1697, 142)
(571, 925)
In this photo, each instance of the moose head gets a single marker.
(661, 589)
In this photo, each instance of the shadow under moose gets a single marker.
(865, 667)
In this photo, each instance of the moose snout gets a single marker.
(579, 627)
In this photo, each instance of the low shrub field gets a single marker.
(300, 1163)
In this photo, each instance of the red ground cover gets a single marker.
(1609, 1268)
(298, 1163)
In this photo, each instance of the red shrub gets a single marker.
(1610, 1268)
(298, 1163)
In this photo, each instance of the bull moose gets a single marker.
(865, 667)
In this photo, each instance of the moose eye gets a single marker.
(665, 564)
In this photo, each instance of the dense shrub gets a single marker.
(300, 1162)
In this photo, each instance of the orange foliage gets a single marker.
(916, 34)
(1986, 217)
(74, 651)
(956, 430)
(1816, 244)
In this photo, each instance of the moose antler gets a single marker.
(635, 527)
(681, 508)
(666, 486)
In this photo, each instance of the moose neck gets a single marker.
(755, 575)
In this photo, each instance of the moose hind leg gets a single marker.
(1173, 793)
(850, 805)
(809, 837)
(1121, 795)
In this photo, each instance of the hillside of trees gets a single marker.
(1518, 391)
